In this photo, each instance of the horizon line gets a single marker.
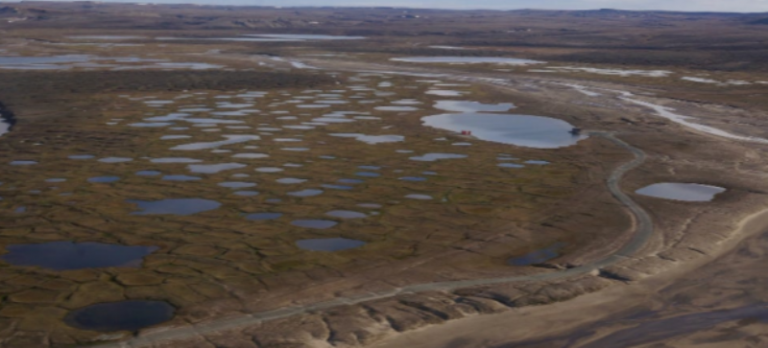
(185, 2)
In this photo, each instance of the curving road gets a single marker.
(643, 231)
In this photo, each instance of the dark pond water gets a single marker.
(62, 256)
(237, 184)
(290, 181)
(413, 178)
(263, 216)
(538, 256)
(318, 224)
(346, 214)
(120, 316)
(306, 193)
(247, 193)
(368, 174)
(115, 159)
(148, 173)
(181, 178)
(104, 179)
(329, 244)
(350, 181)
(337, 187)
(178, 206)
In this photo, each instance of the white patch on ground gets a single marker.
(614, 72)
(582, 89)
(700, 80)
(668, 113)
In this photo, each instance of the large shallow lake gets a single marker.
(521, 130)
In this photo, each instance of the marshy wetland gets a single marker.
(245, 187)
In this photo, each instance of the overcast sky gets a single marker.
(673, 5)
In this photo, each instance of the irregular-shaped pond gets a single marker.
(263, 216)
(237, 184)
(317, 224)
(60, 256)
(181, 178)
(214, 168)
(346, 214)
(431, 157)
(306, 193)
(538, 256)
(521, 130)
(329, 244)
(471, 106)
(104, 179)
(120, 316)
(175, 206)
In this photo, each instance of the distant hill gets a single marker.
(763, 21)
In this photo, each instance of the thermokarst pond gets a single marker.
(263, 216)
(681, 192)
(61, 256)
(538, 256)
(521, 130)
(104, 179)
(329, 244)
(177, 206)
(316, 224)
(120, 316)
(466, 106)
